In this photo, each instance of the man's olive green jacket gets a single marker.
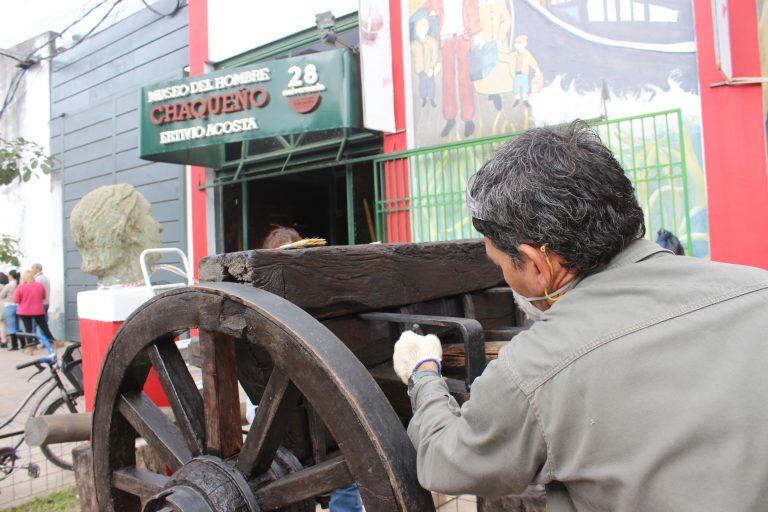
(645, 388)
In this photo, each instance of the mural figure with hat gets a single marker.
(459, 28)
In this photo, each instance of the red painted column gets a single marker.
(198, 55)
(734, 140)
(396, 186)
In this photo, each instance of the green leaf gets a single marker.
(21, 159)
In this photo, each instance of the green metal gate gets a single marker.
(420, 193)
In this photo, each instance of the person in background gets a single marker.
(343, 499)
(279, 236)
(3, 340)
(29, 296)
(41, 278)
(9, 309)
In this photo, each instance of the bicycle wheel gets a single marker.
(60, 454)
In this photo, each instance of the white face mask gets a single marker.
(526, 303)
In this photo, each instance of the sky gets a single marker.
(259, 21)
(24, 19)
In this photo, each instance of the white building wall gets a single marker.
(241, 25)
(32, 211)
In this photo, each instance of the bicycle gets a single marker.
(68, 401)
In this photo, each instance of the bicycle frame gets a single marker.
(53, 382)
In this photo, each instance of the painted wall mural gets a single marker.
(481, 68)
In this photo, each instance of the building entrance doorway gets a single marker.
(333, 202)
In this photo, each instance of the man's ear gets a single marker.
(543, 273)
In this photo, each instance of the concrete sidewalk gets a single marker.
(18, 487)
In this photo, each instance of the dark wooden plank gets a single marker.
(307, 483)
(268, 427)
(453, 354)
(139, 482)
(371, 343)
(154, 426)
(220, 394)
(503, 334)
(82, 464)
(333, 281)
(181, 391)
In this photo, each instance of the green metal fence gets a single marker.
(420, 193)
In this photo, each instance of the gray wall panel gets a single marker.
(106, 56)
(89, 134)
(161, 191)
(94, 127)
(127, 140)
(89, 170)
(89, 151)
(133, 77)
(148, 174)
(128, 120)
(80, 188)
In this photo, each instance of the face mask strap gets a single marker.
(549, 298)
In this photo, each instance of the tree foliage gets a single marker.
(9, 250)
(21, 159)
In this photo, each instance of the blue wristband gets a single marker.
(434, 360)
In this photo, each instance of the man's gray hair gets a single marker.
(561, 187)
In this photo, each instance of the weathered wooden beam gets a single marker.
(338, 280)
(52, 429)
(75, 427)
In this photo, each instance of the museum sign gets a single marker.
(188, 121)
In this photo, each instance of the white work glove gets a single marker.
(413, 348)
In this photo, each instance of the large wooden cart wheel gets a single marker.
(284, 359)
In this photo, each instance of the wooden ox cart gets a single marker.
(308, 335)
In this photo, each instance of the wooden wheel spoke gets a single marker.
(220, 394)
(316, 434)
(307, 483)
(154, 426)
(181, 391)
(139, 482)
(268, 425)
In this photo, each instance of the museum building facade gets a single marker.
(362, 121)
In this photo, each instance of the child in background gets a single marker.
(426, 51)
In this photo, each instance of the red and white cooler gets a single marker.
(102, 311)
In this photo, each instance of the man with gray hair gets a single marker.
(640, 384)
(41, 278)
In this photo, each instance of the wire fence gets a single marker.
(20, 486)
(25, 472)
(420, 193)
